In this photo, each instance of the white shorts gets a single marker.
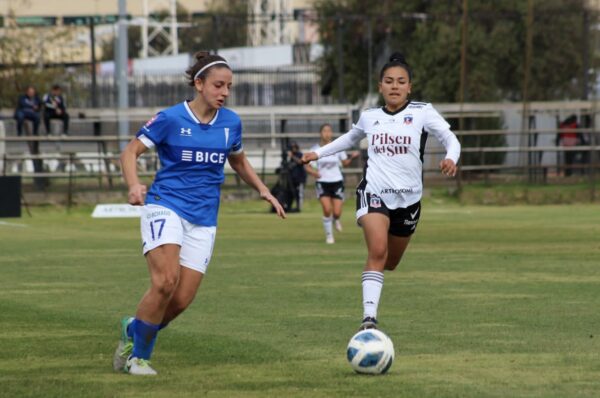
(161, 225)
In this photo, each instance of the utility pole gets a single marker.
(122, 71)
(524, 141)
(463, 77)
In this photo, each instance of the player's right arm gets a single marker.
(137, 191)
(343, 142)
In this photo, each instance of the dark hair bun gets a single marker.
(201, 54)
(397, 57)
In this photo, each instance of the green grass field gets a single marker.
(488, 302)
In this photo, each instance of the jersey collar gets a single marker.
(385, 110)
(194, 118)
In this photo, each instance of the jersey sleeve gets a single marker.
(237, 147)
(154, 131)
(346, 141)
(438, 126)
(343, 155)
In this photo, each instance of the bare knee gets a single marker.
(377, 258)
(165, 284)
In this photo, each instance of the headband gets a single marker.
(205, 67)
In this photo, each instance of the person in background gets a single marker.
(298, 174)
(388, 198)
(28, 108)
(330, 182)
(55, 108)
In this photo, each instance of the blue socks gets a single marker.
(130, 328)
(144, 338)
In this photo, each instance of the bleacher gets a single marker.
(93, 145)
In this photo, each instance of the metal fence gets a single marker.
(299, 85)
(536, 155)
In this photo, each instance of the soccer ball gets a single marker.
(370, 351)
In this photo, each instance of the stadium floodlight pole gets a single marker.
(121, 67)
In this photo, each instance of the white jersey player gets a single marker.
(330, 182)
(193, 140)
(388, 198)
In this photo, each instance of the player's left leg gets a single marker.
(327, 205)
(403, 223)
(337, 213)
(396, 247)
(194, 257)
(189, 282)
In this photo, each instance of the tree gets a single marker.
(428, 33)
(224, 25)
(24, 52)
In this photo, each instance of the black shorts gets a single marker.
(403, 221)
(334, 190)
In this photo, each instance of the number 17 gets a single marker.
(160, 221)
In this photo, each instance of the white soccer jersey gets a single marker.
(330, 167)
(396, 146)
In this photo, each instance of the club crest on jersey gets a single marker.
(408, 119)
(375, 202)
(149, 122)
(186, 132)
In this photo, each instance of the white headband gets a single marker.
(205, 67)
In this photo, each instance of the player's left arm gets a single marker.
(353, 155)
(437, 125)
(240, 164)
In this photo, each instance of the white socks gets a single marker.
(328, 226)
(372, 283)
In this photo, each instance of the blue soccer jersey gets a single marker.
(192, 157)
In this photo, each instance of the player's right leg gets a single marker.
(162, 234)
(163, 263)
(375, 228)
(125, 346)
(327, 206)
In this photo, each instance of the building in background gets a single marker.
(65, 24)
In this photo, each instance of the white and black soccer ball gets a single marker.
(370, 351)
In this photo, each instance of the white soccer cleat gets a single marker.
(338, 225)
(139, 367)
(124, 348)
(329, 240)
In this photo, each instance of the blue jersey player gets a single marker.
(179, 215)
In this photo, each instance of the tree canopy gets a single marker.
(429, 35)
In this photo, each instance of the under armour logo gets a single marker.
(186, 132)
